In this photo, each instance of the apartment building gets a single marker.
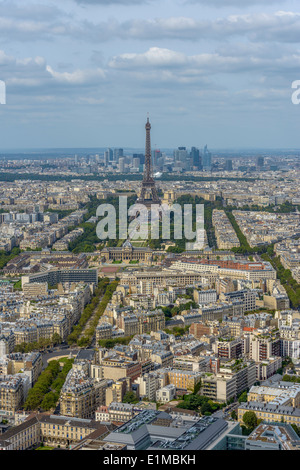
(216, 311)
(263, 347)
(228, 348)
(232, 378)
(191, 363)
(11, 393)
(116, 391)
(118, 412)
(199, 329)
(203, 297)
(130, 323)
(268, 367)
(81, 395)
(117, 368)
(30, 363)
(225, 234)
(248, 296)
(219, 388)
(148, 385)
(182, 379)
(163, 358)
(235, 326)
(35, 290)
(103, 331)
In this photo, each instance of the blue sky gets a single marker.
(84, 73)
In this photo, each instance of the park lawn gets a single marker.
(44, 448)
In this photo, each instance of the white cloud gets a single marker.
(31, 11)
(155, 56)
(113, 2)
(78, 77)
(65, 57)
(236, 3)
(280, 26)
(206, 63)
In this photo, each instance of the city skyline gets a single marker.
(149, 227)
(85, 73)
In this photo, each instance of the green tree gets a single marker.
(130, 397)
(250, 420)
(243, 397)
(56, 339)
(296, 429)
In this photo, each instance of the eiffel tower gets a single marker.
(148, 193)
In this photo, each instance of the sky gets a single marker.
(85, 73)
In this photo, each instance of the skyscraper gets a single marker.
(122, 164)
(182, 158)
(141, 156)
(156, 155)
(206, 159)
(228, 165)
(106, 159)
(260, 162)
(117, 154)
(110, 154)
(196, 160)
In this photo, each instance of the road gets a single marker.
(226, 412)
(58, 353)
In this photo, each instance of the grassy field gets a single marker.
(44, 448)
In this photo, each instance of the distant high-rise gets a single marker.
(136, 163)
(118, 153)
(206, 159)
(106, 159)
(148, 193)
(122, 164)
(182, 158)
(156, 155)
(196, 159)
(110, 154)
(180, 154)
(141, 156)
(260, 162)
(228, 165)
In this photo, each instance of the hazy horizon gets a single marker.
(141, 150)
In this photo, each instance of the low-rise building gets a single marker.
(166, 394)
(270, 412)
